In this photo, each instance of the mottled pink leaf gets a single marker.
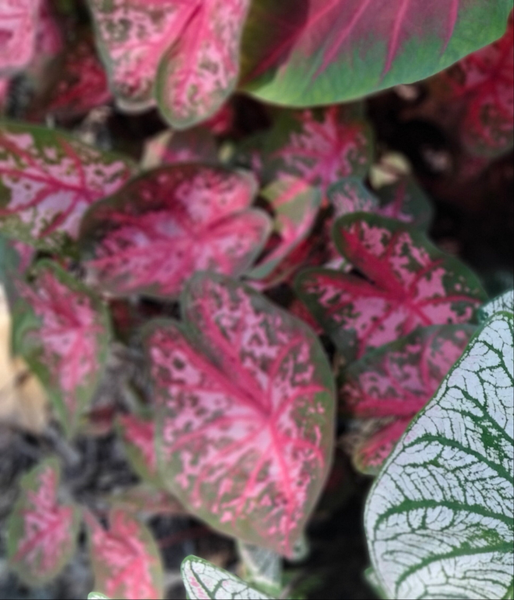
(18, 25)
(138, 437)
(405, 201)
(66, 344)
(481, 90)
(172, 147)
(167, 224)
(125, 559)
(201, 67)
(389, 386)
(47, 181)
(245, 427)
(42, 530)
(406, 282)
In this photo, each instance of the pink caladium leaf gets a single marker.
(47, 181)
(405, 201)
(201, 68)
(245, 399)
(308, 53)
(126, 561)
(481, 88)
(146, 499)
(393, 383)
(63, 333)
(404, 282)
(42, 530)
(18, 26)
(138, 437)
(170, 222)
(172, 147)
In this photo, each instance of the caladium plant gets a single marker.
(246, 412)
(42, 529)
(47, 181)
(62, 330)
(390, 385)
(324, 52)
(126, 561)
(204, 581)
(184, 55)
(405, 282)
(439, 518)
(168, 223)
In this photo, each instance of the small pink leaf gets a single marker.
(173, 147)
(18, 25)
(126, 561)
(41, 531)
(395, 382)
(167, 224)
(201, 67)
(405, 201)
(138, 438)
(407, 283)
(48, 179)
(66, 345)
(246, 412)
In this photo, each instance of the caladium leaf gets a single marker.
(395, 382)
(439, 519)
(408, 283)
(505, 302)
(18, 26)
(126, 561)
(66, 341)
(48, 179)
(167, 224)
(308, 53)
(42, 530)
(171, 147)
(201, 68)
(138, 438)
(405, 201)
(245, 428)
(147, 500)
(204, 581)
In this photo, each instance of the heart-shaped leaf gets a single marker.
(393, 383)
(126, 561)
(204, 581)
(47, 181)
(18, 26)
(62, 331)
(407, 283)
(328, 51)
(439, 518)
(405, 201)
(246, 420)
(42, 530)
(167, 224)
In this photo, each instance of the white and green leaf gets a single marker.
(504, 302)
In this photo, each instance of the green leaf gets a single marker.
(439, 519)
(203, 580)
(299, 53)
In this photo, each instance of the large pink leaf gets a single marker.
(66, 345)
(315, 52)
(171, 222)
(18, 25)
(389, 386)
(407, 283)
(126, 561)
(42, 530)
(47, 181)
(245, 427)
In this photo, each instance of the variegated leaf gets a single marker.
(42, 530)
(393, 383)
(48, 179)
(405, 201)
(405, 282)
(167, 224)
(204, 581)
(147, 500)
(171, 147)
(18, 27)
(246, 412)
(126, 561)
(138, 436)
(65, 341)
(505, 302)
(201, 67)
(439, 519)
